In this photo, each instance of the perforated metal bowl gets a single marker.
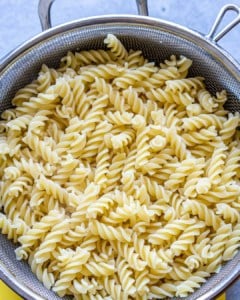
(158, 40)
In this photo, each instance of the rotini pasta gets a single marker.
(120, 177)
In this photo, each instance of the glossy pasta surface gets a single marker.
(120, 178)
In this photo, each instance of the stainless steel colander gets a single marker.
(157, 39)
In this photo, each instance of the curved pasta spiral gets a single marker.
(114, 171)
(193, 282)
(69, 273)
(135, 59)
(114, 289)
(13, 229)
(132, 76)
(54, 189)
(118, 118)
(39, 229)
(52, 238)
(64, 171)
(177, 144)
(156, 190)
(215, 167)
(89, 57)
(186, 84)
(116, 46)
(171, 230)
(107, 71)
(129, 254)
(142, 148)
(218, 243)
(125, 275)
(102, 165)
(229, 213)
(180, 174)
(19, 123)
(231, 165)
(229, 127)
(46, 277)
(102, 205)
(41, 148)
(206, 100)
(162, 291)
(127, 180)
(159, 78)
(202, 121)
(232, 244)
(148, 255)
(201, 137)
(166, 96)
(25, 93)
(95, 140)
(187, 238)
(203, 212)
(90, 195)
(195, 184)
(110, 233)
(136, 104)
(115, 98)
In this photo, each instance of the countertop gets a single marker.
(19, 22)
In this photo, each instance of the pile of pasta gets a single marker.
(120, 178)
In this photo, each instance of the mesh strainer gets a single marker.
(158, 40)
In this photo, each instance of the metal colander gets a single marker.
(158, 40)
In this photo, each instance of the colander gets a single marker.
(157, 39)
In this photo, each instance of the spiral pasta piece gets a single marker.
(38, 230)
(114, 289)
(181, 172)
(12, 229)
(90, 195)
(57, 191)
(89, 57)
(134, 101)
(232, 244)
(110, 233)
(46, 277)
(116, 47)
(172, 229)
(185, 84)
(177, 144)
(132, 76)
(206, 100)
(72, 268)
(129, 254)
(193, 282)
(215, 167)
(203, 212)
(49, 243)
(229, 127)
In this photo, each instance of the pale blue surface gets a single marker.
(19, 22)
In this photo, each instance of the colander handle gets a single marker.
(44, 11)
(215, 37)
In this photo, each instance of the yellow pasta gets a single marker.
(120, 177)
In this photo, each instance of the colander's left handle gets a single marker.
(44, 11)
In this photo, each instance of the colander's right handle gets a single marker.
(212, 34)
(44, 11)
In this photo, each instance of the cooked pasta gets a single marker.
(120, 177)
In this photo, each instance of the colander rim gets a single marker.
(198, 38)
